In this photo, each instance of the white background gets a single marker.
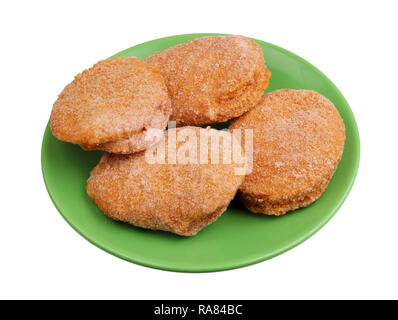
(43, 44)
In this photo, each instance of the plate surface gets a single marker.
(237, 238)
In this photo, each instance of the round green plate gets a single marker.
(237, 238)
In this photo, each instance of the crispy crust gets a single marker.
(180, 198)
(212, 79)
(298, 141)
(107, 106)
(260, 205)
(137, 141)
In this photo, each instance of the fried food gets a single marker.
(298, 140)
(182, 195)
(212, 79)
(111, 106)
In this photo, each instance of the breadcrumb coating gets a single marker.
(212, 79)
(180, 198)
(298, 140)
(111, 105)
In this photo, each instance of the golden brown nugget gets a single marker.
(212, 79)
(183, 197)
(111, 106)
(298, 140)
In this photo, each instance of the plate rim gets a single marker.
(248, 262)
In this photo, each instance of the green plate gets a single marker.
(237, 238)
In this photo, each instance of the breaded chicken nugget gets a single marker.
(182, 193)
(212, 79)
(298, 140)
(111, 105)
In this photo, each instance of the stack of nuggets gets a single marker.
(298, 134)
